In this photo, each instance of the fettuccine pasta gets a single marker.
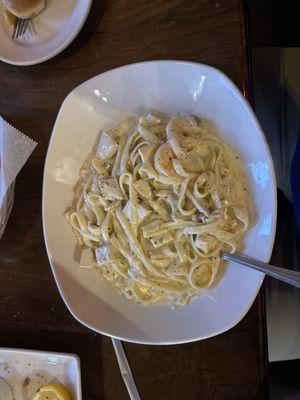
(156, 204)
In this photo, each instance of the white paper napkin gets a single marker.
(15, 149)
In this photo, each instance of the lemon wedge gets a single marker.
(53, 392)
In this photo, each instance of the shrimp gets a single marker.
(183, 134)
(163, 160)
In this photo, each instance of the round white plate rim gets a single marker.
(59, 49)
(274, 216)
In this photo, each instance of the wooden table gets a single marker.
(32, 314)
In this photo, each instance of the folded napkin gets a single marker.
(15, 149)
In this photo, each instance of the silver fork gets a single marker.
(20, 27)
(125, 370)
(282, 274)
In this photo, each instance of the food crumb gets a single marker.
(26, 382)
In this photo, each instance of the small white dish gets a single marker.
(171, 87)
(26, 371)
(48, 34)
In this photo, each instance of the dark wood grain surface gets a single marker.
(32, 314)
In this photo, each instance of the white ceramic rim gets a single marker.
(59, 49)
(51, 353)
(270, 159)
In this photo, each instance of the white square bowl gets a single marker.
(170, 87)
(27, 370)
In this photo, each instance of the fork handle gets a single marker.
(282, 274)
(125, 370)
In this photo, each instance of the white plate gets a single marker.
(49, 33)
(172, 87)
(39, 368)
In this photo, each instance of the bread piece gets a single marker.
(24, 8)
